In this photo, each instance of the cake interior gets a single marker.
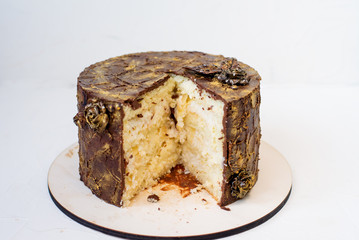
(177, 123)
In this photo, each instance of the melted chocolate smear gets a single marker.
(177, 176)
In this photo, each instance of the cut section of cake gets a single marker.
(140, 115)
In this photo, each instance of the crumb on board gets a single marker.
(153, 198)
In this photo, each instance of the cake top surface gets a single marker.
(126, 77)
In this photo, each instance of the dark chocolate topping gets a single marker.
(126, 77)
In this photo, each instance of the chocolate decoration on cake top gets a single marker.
(127, 77)
(229, 72)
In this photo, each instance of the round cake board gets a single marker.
(196, 216)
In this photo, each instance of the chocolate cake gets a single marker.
(141, 114)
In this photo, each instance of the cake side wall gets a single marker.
(101, 158)
(243, 139)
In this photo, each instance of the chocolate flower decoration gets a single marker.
(77, 119)
(242, 183)
(231, 74)
(96, 117)
(228, 73)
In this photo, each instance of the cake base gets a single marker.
(196, 216)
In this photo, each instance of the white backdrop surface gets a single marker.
(307, 53)
(307, 41)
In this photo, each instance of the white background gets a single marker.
(307, 53)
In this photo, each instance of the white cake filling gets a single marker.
(155, 139)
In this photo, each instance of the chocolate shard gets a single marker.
(205, 70)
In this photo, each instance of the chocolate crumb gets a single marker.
(140, 115)
(135, 104)
(174, 96)
(166, 188)
(220, 138)
(158, 209)
(210, 108)
(153, 198)
(204, 200)
(172, 115)
(225, 208)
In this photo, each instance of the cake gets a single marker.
(140, 115)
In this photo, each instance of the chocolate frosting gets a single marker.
(105, 86)
(127, 77)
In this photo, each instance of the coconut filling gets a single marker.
(177, 123)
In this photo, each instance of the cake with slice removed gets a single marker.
(141, 114)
